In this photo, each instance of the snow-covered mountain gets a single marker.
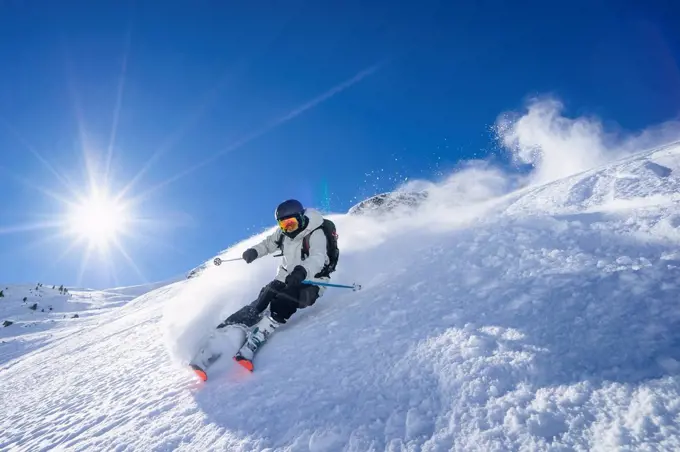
(542, 319)
(389, 202)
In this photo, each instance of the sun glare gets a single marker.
(98, 220)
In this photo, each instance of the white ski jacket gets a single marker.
(292, 248)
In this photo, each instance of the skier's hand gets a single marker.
(250, 255)
(296, 277)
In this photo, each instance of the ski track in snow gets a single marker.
(550, 323)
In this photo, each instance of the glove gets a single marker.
(250, 255)
(296, 277)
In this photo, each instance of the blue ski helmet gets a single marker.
(291, 208)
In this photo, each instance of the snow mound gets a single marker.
(542, 319)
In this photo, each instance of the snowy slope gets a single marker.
(32, 316)
(544, 319)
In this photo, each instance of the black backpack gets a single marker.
(332, 250)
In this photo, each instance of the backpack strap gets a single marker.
(326, 270)
(305, 243)
(279, 244)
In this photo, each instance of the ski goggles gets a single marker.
(289, 224)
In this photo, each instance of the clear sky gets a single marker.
(204, 115)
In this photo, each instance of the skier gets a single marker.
(302, 238)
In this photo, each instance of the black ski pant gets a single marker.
(284, 300)
(290, 299)
(267, 294)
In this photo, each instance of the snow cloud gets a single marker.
(204, 302)
(462, 196)
(540, 135)
(558, 146)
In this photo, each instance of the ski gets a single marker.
(201, 365)
(244, 362)
(212, 351)
(202, 371)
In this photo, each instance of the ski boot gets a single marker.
(257, 337)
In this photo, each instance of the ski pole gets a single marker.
(218, 261)
(354, 286)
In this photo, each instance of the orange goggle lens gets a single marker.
(289, 224)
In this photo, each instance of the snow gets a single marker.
(544, 318)
(57, 314)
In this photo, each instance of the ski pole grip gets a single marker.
(218, 261)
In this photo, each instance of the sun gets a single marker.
(98, 219)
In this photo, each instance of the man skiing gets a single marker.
(302, 238)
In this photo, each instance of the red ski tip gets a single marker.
(244, 362)
(199, 372)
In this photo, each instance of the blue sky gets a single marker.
(232, 107)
